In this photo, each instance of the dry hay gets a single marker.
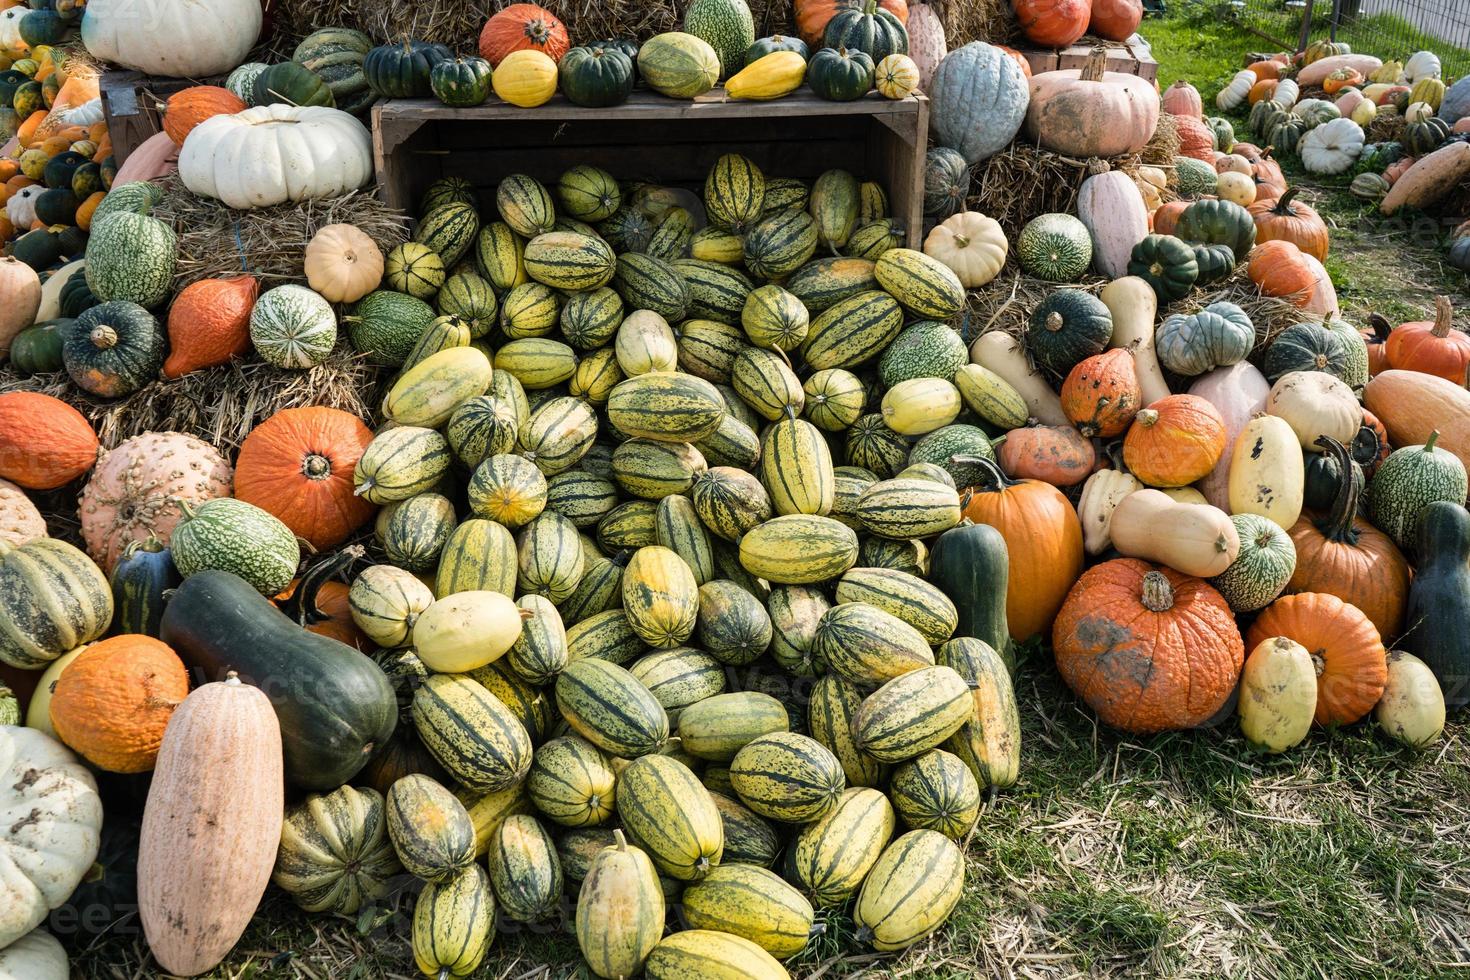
(219, 405)
(1386, 127)
(1162, 147)
(978, 20)
(269, 243)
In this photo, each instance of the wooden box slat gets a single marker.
(1128, 58)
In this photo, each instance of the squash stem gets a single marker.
(302, 607)
(1429, 443)
(1337, 526)
(1444, 316)
(1158, 594)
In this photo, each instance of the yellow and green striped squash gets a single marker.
(654, 470)
(831, 857)
(385, 602)
(990, 740)
(524, 870)
(454, 925)
(558, 434)
(500, 256)
(335, 855)
(487, 810)
(549, 557)
(480, 556)
(910, 891)
(764, 380)
(852, 331)
(590, 320)
(443, 333)
(795, 611)
(836, 204)
(711, 955)
(912, 714)
(414, 269)
(571, 782)
(430, 829)
(733, 624)
(788, 777)
(588, 193)
(468, 297)
(607, 706)
(669, 813)
(481, 427)
(597, 374)
(774, 317)
(540, 652)
(869, 647)
(752, 903)
(918, 406)
(667, 406)
(796, 467)
(799, 549)
(834, 703)
(428, 392)
(620, 910)
(569, 261)
(530, 704)
(936, 791)
(991, 397)
(472, 734)
(708, 348)
(731, 502)
(679, 677)
(677, 527)
(660, 597)
(734, 193)
(605, 636)
(525, 205)
(718, 727)
(923, 606)
(749, 839)
(925, 286)
(507, 489)
(401, 462)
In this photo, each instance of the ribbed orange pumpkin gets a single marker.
(209, 324)
(1044, 538)
(1175, 441)
(1148, 649)
(319, 603)
(1055, 454)
(1101, 395)
(193, 105)
(298, 465)
(114, 701)
(812, 16)
(1166, 218)
(521, 27)
(1431, 347)
(1352, 666)
(44, 442)
(1195, 139)
(1279, 268)
(1288, 219)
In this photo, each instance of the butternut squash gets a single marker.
(1316, 404)
(211, 825)
(1278, 695)
(1101, 495)
(1001, 353)
(1184, 495)
(1134, 306)
(1430, 178)
(1195, 539)
(1239, 393)
(1411, 405)
(1412, 708)
(1316, 73)
(1267, 476)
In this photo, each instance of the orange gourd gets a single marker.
(193, 105)
(1288, 219)
(1195, 139)
(812, 16)
(298, 465)
(1148, 648)
(1341, 79)
(209, 324)
(522, 27)
(1278, 268)
(1262, 90)
(114, 701)
(1055, 454)
(44, 442)
(1352, 666)
(1175, 441)
(318, 602)
(1101, 394)
(25, 135)
(1264, 69)
(1166, 218)
(1043, 537)
(1431, 347)
(1343, 555)
(1053, 23)
(1018, 58)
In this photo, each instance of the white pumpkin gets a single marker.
(276, 153)
(168, 37)
(1237, 188)
(1331, 148)
(971, 244)
(50, 307)
(21, 208)
(1113, 209)
(10, 18)
(293, 327)
(37, 955)
(1421, 64)
(1287, 92)
(1316, 404)
(1234, 94)
(50, 822)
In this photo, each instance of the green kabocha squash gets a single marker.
(1306, 347)
(76, 296)
(1167, 264)
(596, 78)
(292, 84)
(86, 180)
(1322, 481)
(462, 82)
(113, 349)
(774, 43)
(336, 54)
(1219, 335)
(1411, 479)
(334, 705)
(38, 349)
(61, 168)
(1218, 223)
(1439, 600)
(401, 71)
(840, 75)
(140, 580)
(1054, 247)
(864, 26)
(1215, 262)
(1066, 328)
(946, 182)
(626, 46)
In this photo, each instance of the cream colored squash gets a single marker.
(1278, 695)
(1236, 188)
(1183, 495)
(466, 630)
(38, 712)
(1331, 148)
(999, 352)
(1152, 182)
(1234, 163)
(1134, 306)
(1316, 404)
(1421, 64)
(20, 298)
(1418, 112)
(1412, 707)
(37, 955)
(1364, 113)
(1235, 93)
(1266, 472)
(50, 827)
(343, 263)
(1195, 539)
(1239, 393)
(1287, 92)
(276, 153)
(166, 37)
(920, 405)
(1101, 494)
(971, 244)
(50, 307)
(645, 342)
(1113, 209)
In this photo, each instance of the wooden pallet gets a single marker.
(654, 138)
(130, 104)
(1130, 57)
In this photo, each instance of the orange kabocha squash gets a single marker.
(209, 324)
(44, 442)
(113, 702)
(1343, 555)
(1290, 220)
(1431, 347)
(1044, 539)
(1101, 395)
(193, 105)
(1262, 90)
(1175, 441)
(1055, 454)
(318, 602)
(1166, 218)
(298, 465)
(523, 27)
(1352, 666)
(1148, 649)
(1195, 139)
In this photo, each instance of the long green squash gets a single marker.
(972, 565)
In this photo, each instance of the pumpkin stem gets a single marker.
(1444, 316)
(316, 467)
(1337, 526)
(992, 478)
(1097, 64)
(1380, 326)
(1158, 594)
(1429, 443)
(1319, 662)
(1147, 417)
(1054, 321)
(301, 607)
(1283, 203)
(103, 337)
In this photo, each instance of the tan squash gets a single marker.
(1090, 112)
(1278, 695)
(1316, 404)
(1001, 353)
(20, 520)
(1194, 539)
(1267, 476)
(211, 825)
(20, 298)
(1428, 179)
(1134, 306)
(1412, 707)
(1101, 495)
(1411, 405)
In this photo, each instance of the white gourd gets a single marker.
(37, 955)
(1287, 92)
(1331, 148)
(1421, 64)
(166, 37)
(1232, 95)
(1112, 207)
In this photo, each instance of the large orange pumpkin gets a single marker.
(1115, 20)
(1043, 537)
(1175, 441)
(1279, 268)
(114, 701)
(1343, 555)
(1431, 347)
(1291, 220)
(318, 602)
(193, 105)
(1352, 666)
(523, 27)
(1101, 394)
(44, 442)
(812, 16)
(209, 323)
(1149, 649)
(298, 465)
(1053, 23)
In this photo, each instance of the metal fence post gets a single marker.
(1306, 27)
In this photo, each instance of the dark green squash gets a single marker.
(57, 206)
(114, 349)
(1215, 262)
(628, 230)
(1218, 223)
(1066, 328)
(401, 71)
(37, 349)
(1306, 347)
(462, 82)
(109, 171)
(865, 27)
(10, 82)
(946, 182)
(76, 296)
(292, 84)
(140, 580)
(1439, 600)
(971, 565)
(627, 46)
(840, 75)
(1323, 476)
(42, 27)
(775, 43)
(86, 180)
(38, 249)
(61, 168)
(72, 241)
(1167, 264)
(1426, 135)
(335, 706)
(28, 99)
(107, 896)
(596, 77)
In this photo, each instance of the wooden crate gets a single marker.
(654, 138)
(130, 101)
(1127, 58)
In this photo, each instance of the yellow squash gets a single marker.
(776, 75)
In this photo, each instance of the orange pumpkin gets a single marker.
(1264, 69)
(1175, 441)
(1262, 90)
(1288, 219)
(1278, 268)
(1195, 139)
(1267, 169)
(1018, 58)
(209, 323)
(88, 208)
(1044, 538)
(113, 702)
(193, 105)
(1059, 455)
(1352, 666)
(44, 442)
(1375, 335)
(1166, 218)
(8, 169)
(318, 602)
(1101, 394)
(1341, 79)
(812, 16)
(298, 465)
(1371, 421)
(25, 135)
(1267, 192)
(1148, 648)
(1053, 23)
(1431, 347)
(523, 27)
(1182, 99)
(1115, 20)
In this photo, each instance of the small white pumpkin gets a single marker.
(293, 327)
(1237, 188)
(165, 37)
(1316, 404)
(1331, 148)
(10, 18)
(37, 955)
(1232, 95)
(1421, 64)
(971, 244)
(21, 207)
(343, 263)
